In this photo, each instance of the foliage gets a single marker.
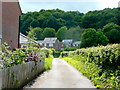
(48, 63)
(57, 18)
(55, 53)
(74, 33)
(34, 23)
(100, 64)
(35, 32)
(70, 24)
(19, 56)
(47, 52)
(98, 19)
(62, 33)
(70, 48)
(54, 18)
(64, 54)
(49, 32)
(112, 31)
(12, 58)
(91, 37)
(49, 58)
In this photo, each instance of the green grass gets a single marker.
(99, 78)
(48, 63)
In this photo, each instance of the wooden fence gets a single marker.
(19, 75)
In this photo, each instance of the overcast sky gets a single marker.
(67, 5)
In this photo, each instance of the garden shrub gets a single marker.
(64, 54)
(48, 63)
(19, 56)
(100, 64)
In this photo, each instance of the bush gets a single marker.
(70, 48)
(19, 56)
(100, 64)
(48, 63)
(91, 37)
(64, 54)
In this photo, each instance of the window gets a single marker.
(51, 45)
(41, 44)
(45, 44)
(24, 46)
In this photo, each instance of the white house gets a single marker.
(76, 43)
(68, 42)
(24, 40)
(51, 42)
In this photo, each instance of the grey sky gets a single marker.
(78, 5)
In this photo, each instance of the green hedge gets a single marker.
(100, 64)
(48, 63)
(107, 57)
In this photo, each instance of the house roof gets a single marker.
(67, 40)
(40, 41)
(19, 7)
(24, 39)
(77, 42)
(50, 40)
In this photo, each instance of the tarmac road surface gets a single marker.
(62, 75)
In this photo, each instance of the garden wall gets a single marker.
(19, 75)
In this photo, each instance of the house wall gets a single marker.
(61, 45)
(0, 22)
(10, 23)
(56, 45)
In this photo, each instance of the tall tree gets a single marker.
(112, 31)
(34, 23)
(25, 24)
(91, 38)
(62, 33)
(35, 33)
(75, 33)
(49, 32)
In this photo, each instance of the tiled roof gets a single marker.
(67, 40)
(24, 39)
(50, 40)
(40, 41)
(77, 42)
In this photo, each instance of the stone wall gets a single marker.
(19, 75)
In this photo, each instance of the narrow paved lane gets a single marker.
(62, 75)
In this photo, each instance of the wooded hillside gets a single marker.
(72, 24)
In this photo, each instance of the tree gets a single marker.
(112, 31)
(62, 33)
(25, 24)
(49, 32)
(56, 19)
(99, 18)
(102, 39)
(75, 33)
(114, 36)
(91, 38)
(34, 23)
(52, 23)
(35, 33)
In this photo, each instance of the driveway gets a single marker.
(62, 75)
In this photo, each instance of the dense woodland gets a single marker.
(93, 28)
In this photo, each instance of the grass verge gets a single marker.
(99, 78)
(48, 63)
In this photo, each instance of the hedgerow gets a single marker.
(100, 64)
